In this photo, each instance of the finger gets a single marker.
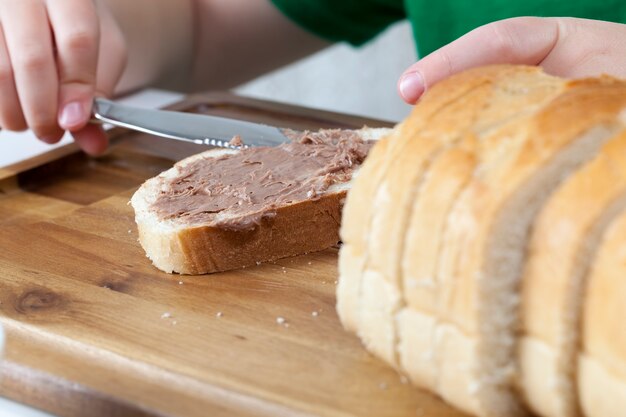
(91, 139)
(524, 40)
(76, 30)
(11, 116)
(29, 42)
(113, 55)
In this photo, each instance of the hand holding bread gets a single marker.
(564, 46)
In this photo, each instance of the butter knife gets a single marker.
(196, 128)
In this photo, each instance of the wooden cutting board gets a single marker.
(94, 330)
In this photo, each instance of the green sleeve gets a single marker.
(354, 21)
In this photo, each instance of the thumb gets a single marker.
(522, 40)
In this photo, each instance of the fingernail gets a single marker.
(50, 140)
(411, 86)
(73, 115)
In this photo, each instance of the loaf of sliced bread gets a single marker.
(435, 286)
(208, 214)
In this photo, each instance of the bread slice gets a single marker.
(416, 319)
(175, 245)
(562, 248)
(488, 231)
(602, 358)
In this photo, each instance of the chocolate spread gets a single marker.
(251, 184)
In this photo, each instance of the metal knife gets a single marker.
(196, 128)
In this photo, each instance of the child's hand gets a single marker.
(566, 47)
(55, 55)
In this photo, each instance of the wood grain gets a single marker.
(93, 329)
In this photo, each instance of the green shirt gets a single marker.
(435, 22)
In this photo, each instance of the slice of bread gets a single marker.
(602, 358)
(296, 227)
(562, 247)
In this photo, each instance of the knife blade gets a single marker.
(196, 128)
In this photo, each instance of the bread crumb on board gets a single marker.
(280, 320)
(315, 313)
(219, 314)
(166, 315)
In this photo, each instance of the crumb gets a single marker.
(382, 386)
(174, 323)
(281, 320)
(284, 271)
(315, 313)
(236, 141)
(130, 231)
(310, 263)
(258, 263)
(180, 283)
(335, 282)
(166, 315)
(219, 314)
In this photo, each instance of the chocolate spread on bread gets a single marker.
(252, 183)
